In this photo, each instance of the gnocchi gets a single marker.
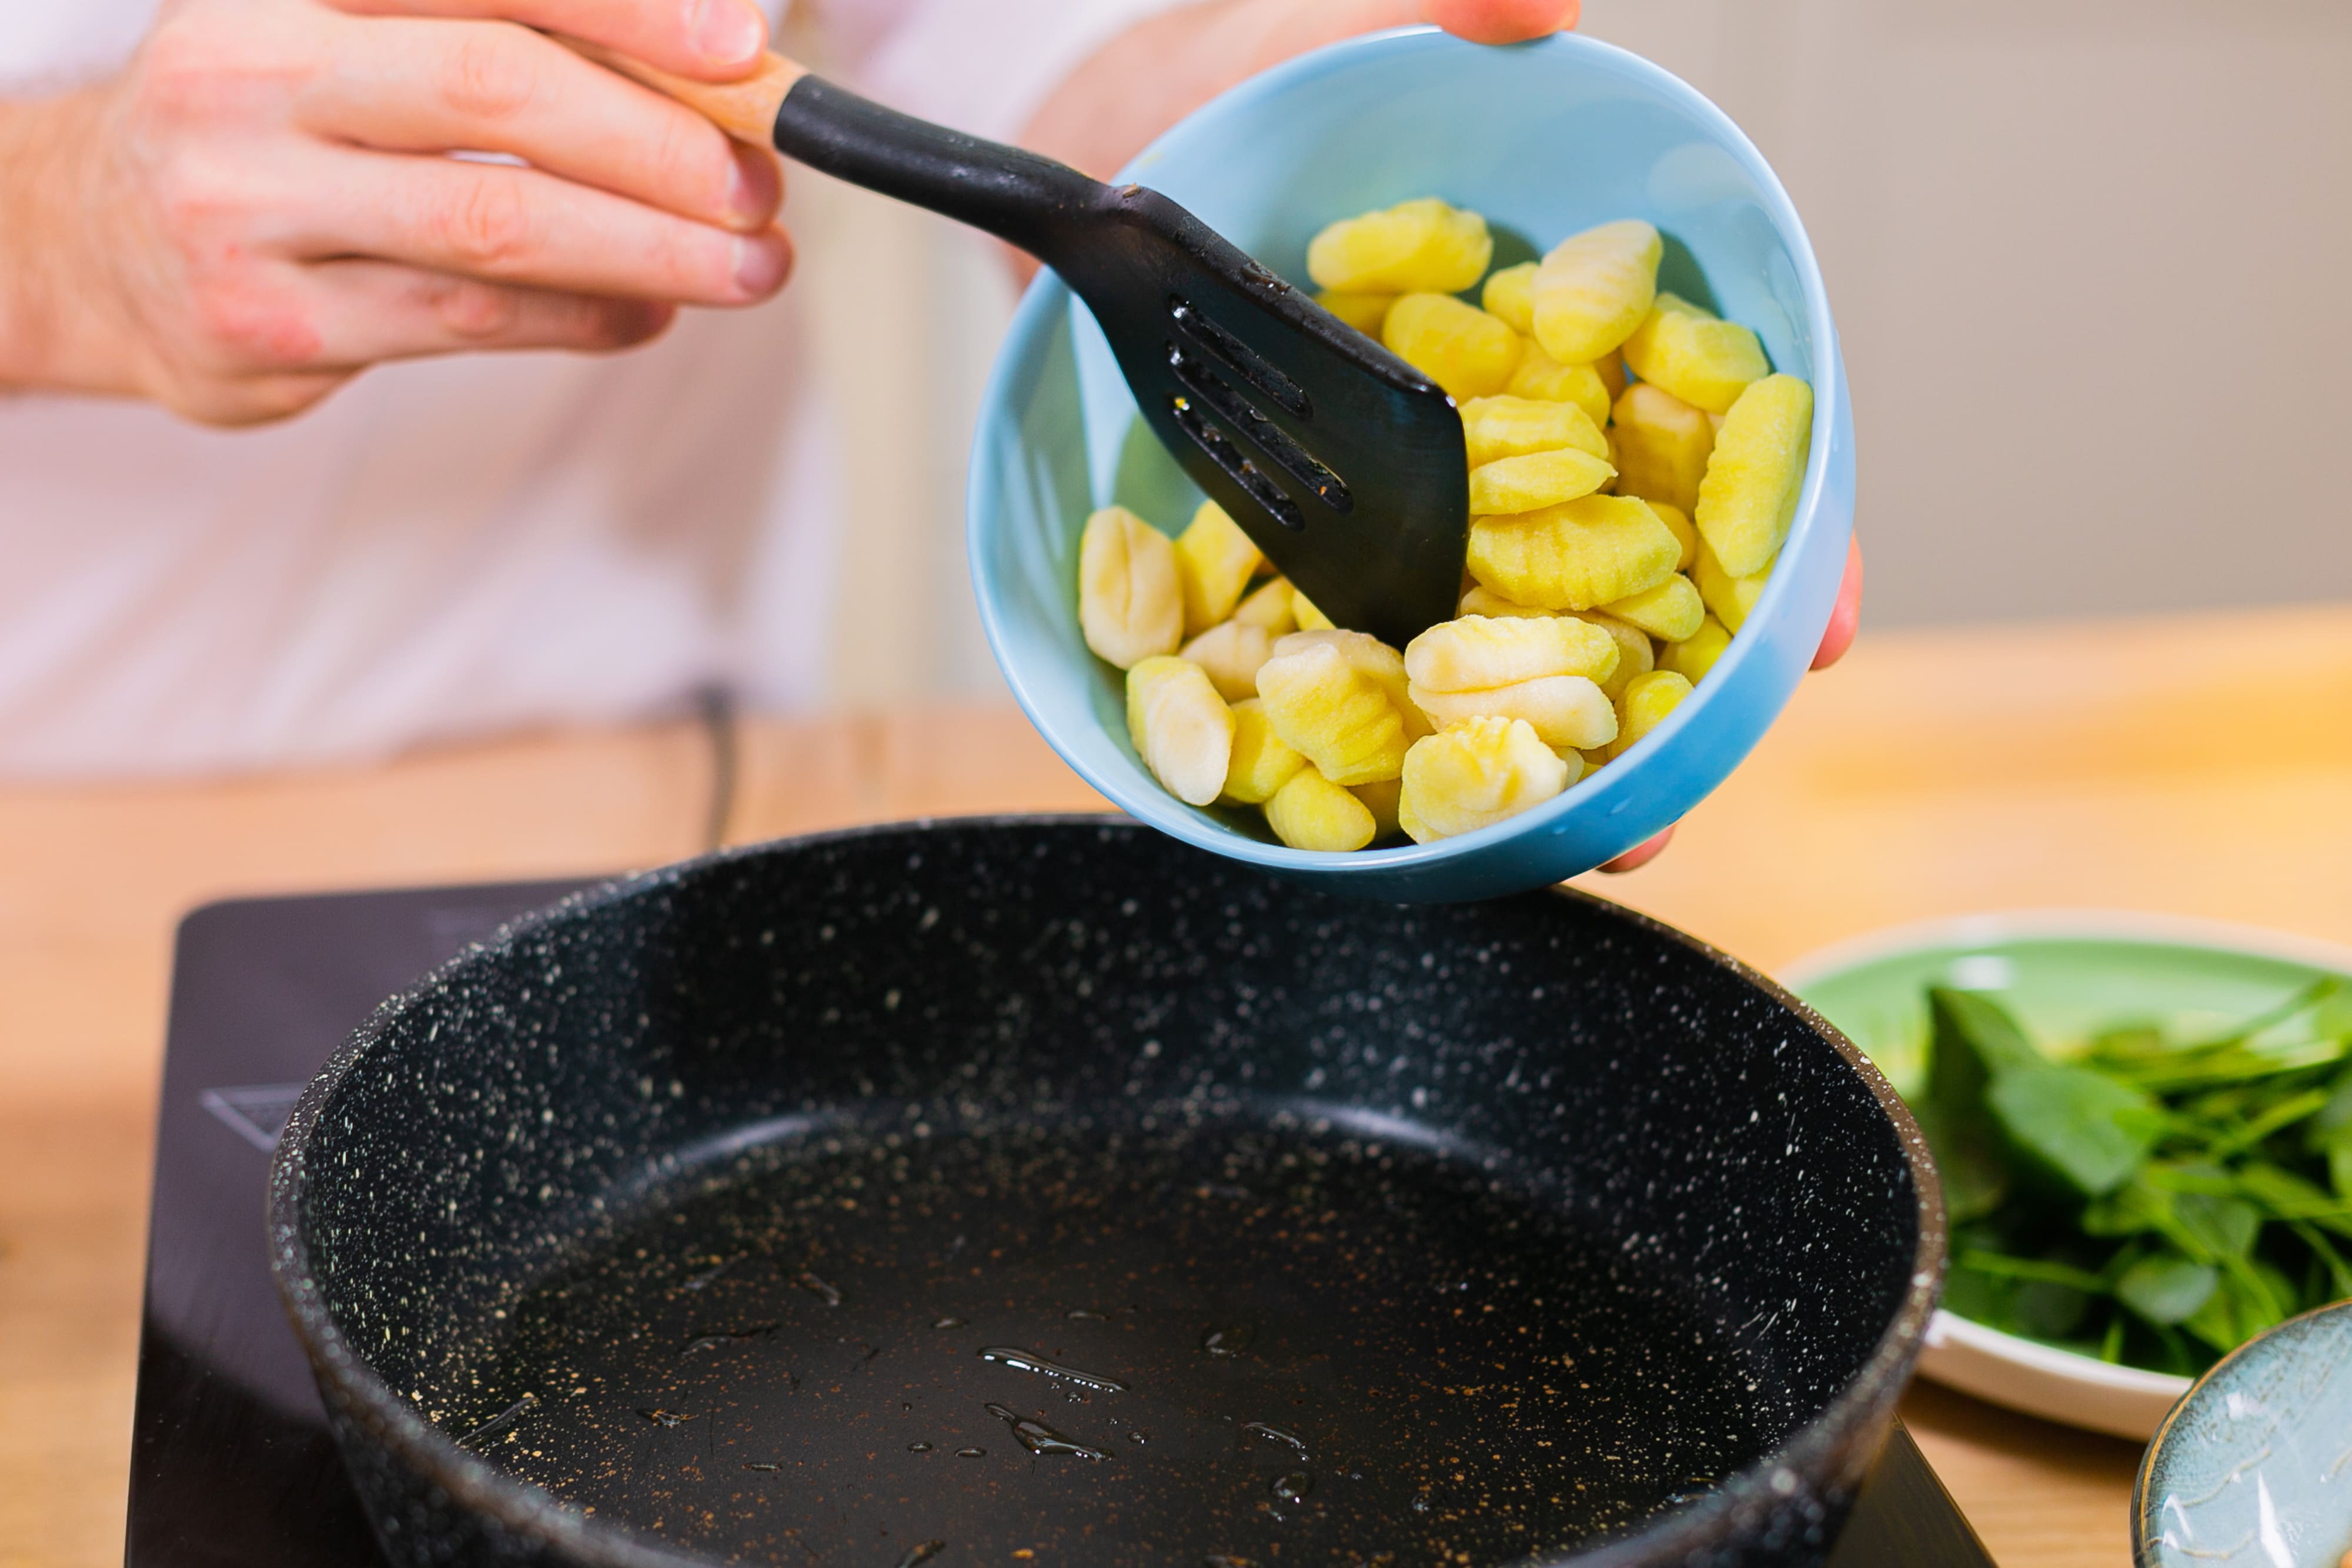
(1633, 466)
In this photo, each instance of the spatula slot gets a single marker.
(1240, 358)
(1238, 468)
(1259, 430)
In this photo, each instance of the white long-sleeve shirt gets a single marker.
(455, 546)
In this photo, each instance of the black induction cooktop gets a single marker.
(231, 1464)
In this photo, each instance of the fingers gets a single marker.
(504, 224)
(439, 86)
(1502, 21)
(713, 40)
(1641, 854)
(1845, 620)
(367, 311)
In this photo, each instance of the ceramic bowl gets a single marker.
(1545, 138)
(2255, 1466)
(2063, 972)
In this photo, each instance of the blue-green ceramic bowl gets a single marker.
(1545, 138)
(2255, 1467)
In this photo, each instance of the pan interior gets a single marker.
(1253, 1339)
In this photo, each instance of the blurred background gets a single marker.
(2084, 254)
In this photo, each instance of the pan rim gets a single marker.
(1820, 1454)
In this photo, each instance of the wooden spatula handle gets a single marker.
(745, 110)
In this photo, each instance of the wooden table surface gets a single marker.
(2200, 766)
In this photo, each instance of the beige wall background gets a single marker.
(2089, 259)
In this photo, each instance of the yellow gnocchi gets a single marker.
(1310, 812)
(1729, 596)
(1475, 775)
(1459, 346)
(1510, 297)
(1634, 654)
(1261, 762)
(1339, 699)
(1214, 561)
(1130, 596)
(1670, 612)
(1695, 355)
(1565, 711)
(1594, 288)
(1272, 605)
(1696, 654)
(1231, 653)
(1424, 245)
(1633, 466)
(1647, 701)
(1497, 427)
(1663, 446)
(1577, 555)
(1477, 652)
(1748, 497)
(1537, 480)
(1366, 313)
(1546, 379)
(1180, 728)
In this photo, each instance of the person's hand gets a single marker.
(1836, 638)
(261, 205)
(1161, 69)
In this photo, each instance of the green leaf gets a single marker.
(1988, 1034)
(1975, 1176)
(2090, 1130)
(2281, 1194)
(2253, 1297)
(2300, 1000)
(2340, 1267)
(1968, 1037)
(2044, 1271)
(2335, 1119)
(2128, 1042)
(2339, 1168)
(2135, 1207)
(2167, 1288)
(2047, 1309)
(2221, 1229)
(2271, 1119)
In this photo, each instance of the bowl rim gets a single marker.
(1611, 791)
(2053, 1366)
(1823, 1449)
(2144, 1544)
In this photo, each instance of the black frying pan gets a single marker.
(1045, 1191)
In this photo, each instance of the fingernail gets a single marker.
(727, 32)
(761, 262)
(753, 184)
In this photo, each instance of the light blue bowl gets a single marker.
(1545, 138)
(2254, 1467)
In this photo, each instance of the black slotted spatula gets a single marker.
(1342, 462)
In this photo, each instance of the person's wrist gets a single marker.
(60, 327)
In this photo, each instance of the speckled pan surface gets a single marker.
(1731, 1168)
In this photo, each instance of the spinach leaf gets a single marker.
(2216, 1229)
(2081, 1123)
(2167, 1288)
(1970, 1038)
(2152, 1202)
